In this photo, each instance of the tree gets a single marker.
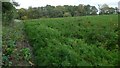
(50, 10)
(111, 10)
(70, 9)
(35, 13)
(29, 12)
(60, 11)
(104, 9)
(93, 10)
(67, 14)
(76, 13)
(15, 4)
(22, 12)
(81, 9)
(60, 8)
(116, 10)
(8, 11)
(57, 11)
(87, 9)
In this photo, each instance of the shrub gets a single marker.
(67, 14)
(7, 13)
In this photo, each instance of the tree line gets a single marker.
(10, 12)
(49, 11)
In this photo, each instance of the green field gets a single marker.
(71, 41)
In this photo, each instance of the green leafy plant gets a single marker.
(26, 53)
(63, 42)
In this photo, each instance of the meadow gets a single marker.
(74, 41)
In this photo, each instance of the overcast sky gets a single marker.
(36, 3)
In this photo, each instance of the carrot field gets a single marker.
(71, 41)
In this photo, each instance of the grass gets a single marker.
(75, 41)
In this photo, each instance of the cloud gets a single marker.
(35, 3)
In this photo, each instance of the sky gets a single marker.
(36, 3)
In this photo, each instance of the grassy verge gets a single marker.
(16, 50)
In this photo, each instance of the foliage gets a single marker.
(13, 45)
(56, 11)
(67, 14)
(8, 13)
(26, 53)
(105, 9)
(74, 41)
(50, 11)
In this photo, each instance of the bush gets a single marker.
(67, 14)
(24, 17)
(8, 13)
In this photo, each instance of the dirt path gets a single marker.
(23, 47)
(21, 54)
